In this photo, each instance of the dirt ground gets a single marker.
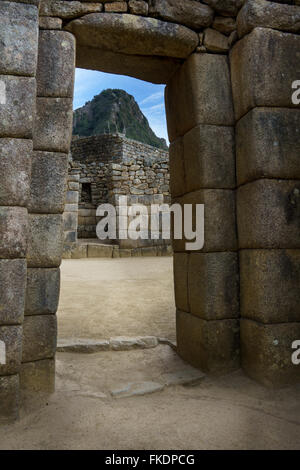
(101, 298)
(104, 298)
(231, 412)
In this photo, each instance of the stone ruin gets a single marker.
(101, 169)
(232, 68)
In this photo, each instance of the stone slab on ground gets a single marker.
(136, 389)
(123, 343)
(120, 343)
(82, 345)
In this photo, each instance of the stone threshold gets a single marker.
(95, 249)
(119, 343)
(184, 375)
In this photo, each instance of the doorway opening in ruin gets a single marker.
(114, 288)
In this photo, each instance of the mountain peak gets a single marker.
(114, 110)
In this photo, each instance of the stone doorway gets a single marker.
(223, 116)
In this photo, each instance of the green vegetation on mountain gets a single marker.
(115, 111)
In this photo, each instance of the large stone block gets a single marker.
(39, 337)
(268, 15)
(214, 285)
(18, 38)
(268, 214)
(264, 78)
(72, 197)
(47, 22)
(70, 236)
(79, 251)
(270, 285)
(224, 25)
(15, 169)
(48, 182)
(99, 251)
(140, 35)
(67, 9)
(267, 352)
(154, 69)
(268, 144)
(9, 399)
(177, 172)
(219, 219)
(226, 7)
(56, 64)
(214, 41)
(68, 250)
(70, 220)
(138, 7)
(212, 346)
(45, 241)
(191, 13)
(209, 157)
(12, 291)
(181, 266)
(38, 376)
(199, 93)
(53, 124)
(11, 355)
(42, 291)
(118, 7)
(17, 105)
(28, 2)
(13, 232)
(71, 208)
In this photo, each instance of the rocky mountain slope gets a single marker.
(115, 111)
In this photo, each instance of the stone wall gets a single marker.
(112, 165)
(248, 306)
(70, 215)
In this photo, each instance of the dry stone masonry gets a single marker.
(107, 167)
(229, 66)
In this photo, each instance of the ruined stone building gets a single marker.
(103, 168)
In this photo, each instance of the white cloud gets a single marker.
(154, 97)
(156, 108)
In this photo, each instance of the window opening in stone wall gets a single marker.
(86, 193)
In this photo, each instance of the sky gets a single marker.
(150, 97)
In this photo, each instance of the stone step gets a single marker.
(95, 249)
(119, 343)
(85, 346)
